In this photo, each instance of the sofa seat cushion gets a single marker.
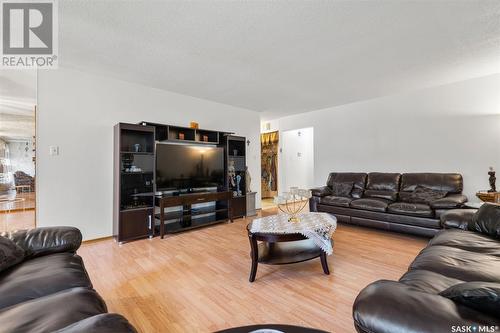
(458, 263)
(53, 312)
(373, 204)
(336, 201)
(42, 276)
(414, 209)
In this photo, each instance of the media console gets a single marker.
(190, 217)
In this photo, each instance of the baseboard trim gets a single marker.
(96, 239)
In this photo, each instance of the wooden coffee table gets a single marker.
(281, 249)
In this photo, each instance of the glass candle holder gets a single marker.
(292, 202)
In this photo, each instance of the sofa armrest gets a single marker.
(322, 191)
(457, 218)
(102, 323)
(313, 203)
(42, 241)
(390, 306)
(449, 202)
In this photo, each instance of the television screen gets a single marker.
(180, 167)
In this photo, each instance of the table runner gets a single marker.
(318, 227)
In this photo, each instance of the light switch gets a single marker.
(54, 150)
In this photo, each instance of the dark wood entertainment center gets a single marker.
(140, 211)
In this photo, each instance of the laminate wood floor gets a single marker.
(197, 281)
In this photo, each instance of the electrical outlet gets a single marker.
(54, 150)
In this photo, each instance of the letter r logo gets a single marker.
(27, 28)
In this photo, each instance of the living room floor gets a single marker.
(197, 281)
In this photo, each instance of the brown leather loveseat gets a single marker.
(408, 202)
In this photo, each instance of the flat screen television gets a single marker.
(183, 168)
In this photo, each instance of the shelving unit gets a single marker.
(171, 133)
(134, 200)
(235, 155)
(134, 177)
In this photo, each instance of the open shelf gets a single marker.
(171, 133)
(137, 173)
(207, 136)
(183, 223)
(190, 213)
(142, 207)
(137, 152)
(134, 141)
(181, 133)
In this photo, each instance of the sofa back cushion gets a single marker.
(425, 195)
(382, 185)
(479, 295)
(342, 189)
(358, 180)
(445, 182)
(487, 220)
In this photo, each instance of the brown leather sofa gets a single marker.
(50, 290)
(453, 285)
(384, 200)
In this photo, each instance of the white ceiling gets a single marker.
(282, 57)
(17, 104)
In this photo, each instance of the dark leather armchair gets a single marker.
(50, 289)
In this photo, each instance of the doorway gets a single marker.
(269, 168)
(17, 149)
(297, 159)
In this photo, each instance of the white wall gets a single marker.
(77, 111)
(296, 159)
(450, 128)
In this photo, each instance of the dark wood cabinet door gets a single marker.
(239, 206)
(135, 224)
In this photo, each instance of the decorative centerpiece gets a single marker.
(492, 180)
(291, 203)
(490, 195)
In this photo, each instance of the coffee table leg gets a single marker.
(255, 257)
(324, 263)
